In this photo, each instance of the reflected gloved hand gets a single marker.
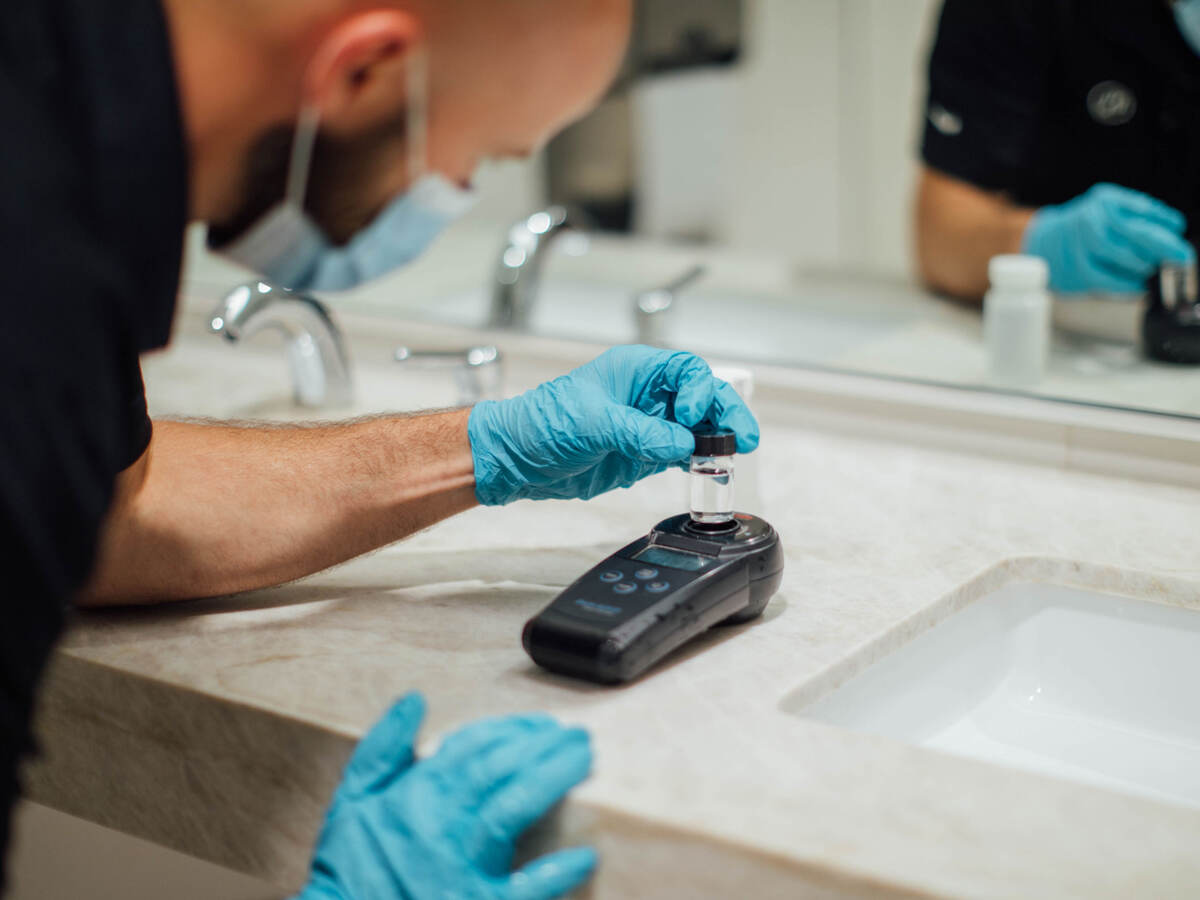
(608, 424)
(1110, 239)
(446, 826)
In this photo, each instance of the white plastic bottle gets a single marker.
(1016, 320)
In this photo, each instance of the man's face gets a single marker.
(504, 77)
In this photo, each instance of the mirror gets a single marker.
(750, 190)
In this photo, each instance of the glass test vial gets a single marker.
(712, 478)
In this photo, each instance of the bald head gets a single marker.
(503, 77)
(515, 72)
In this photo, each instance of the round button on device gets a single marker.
(645, 574)
(625, 588)
(611, 577)
(658, 587)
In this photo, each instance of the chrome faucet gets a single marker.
(315, 349)
(652, 308)
(520, 265)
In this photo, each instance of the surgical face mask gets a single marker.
(290, 250)
(1187, 15)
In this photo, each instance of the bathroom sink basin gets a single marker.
(817, 328)
(1075, 684)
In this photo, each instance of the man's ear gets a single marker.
(357, 78)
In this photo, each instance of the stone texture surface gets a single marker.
(219, 727)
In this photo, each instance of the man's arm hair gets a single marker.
(958, 228)
(214, 509)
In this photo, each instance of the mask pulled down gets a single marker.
(289, 249)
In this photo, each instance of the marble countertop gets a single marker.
(219, 727)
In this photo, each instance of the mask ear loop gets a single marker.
(300, 164)
(417, 113)
(416, 126)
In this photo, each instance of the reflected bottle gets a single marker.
(1016, 320)
(712, 479)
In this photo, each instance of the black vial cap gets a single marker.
(716, 443)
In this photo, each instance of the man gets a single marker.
(325, 141)
(1068, 129)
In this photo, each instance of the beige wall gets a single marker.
(832, 101)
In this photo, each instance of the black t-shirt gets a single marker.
(93, 202)
(1044, 98)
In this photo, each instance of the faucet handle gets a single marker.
(478, 371)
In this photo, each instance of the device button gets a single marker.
(645, 574)
(611, 577)
(624, 588)
(658, 587)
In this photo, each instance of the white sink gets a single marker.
(1080, 685)
(818, 329)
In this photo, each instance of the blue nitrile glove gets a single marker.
(625, 415)
(1111, 239)
(445, 827)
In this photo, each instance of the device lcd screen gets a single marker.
(672, 559)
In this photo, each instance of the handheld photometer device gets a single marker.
(691, 572)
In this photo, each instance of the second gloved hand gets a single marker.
(1109, 240)
(445, 827)
(610, 423)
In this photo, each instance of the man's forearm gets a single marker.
(213, 509)
(959, 228)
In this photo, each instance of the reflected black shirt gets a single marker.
(92, 209)
(1044, 98)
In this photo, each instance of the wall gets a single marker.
(832, 93)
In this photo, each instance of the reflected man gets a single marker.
(1068, 129)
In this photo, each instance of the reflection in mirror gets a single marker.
(845, 174)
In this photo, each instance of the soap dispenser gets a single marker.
(1171, 328)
